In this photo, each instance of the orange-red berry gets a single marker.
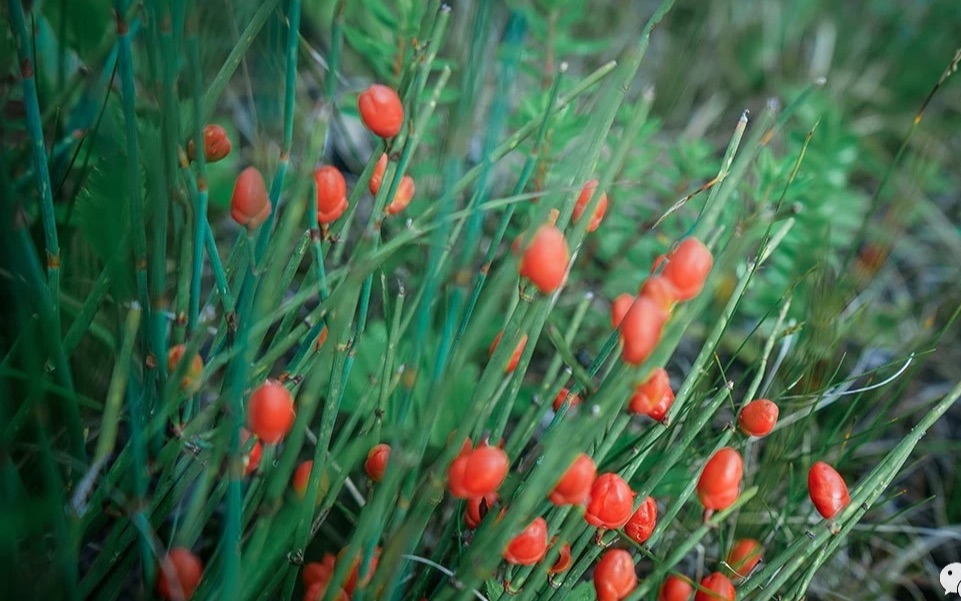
(716, 587)
(828, 491)
(582, 201)
(377, 177)
(565, 395)
(642, 523)
(179, 574)
(317, 591)
(402, 196)
(719, 484)
(758, 418)
(477, 508)
(515, 357)
(270, 412)
(641, 330)
(654, 396)
(216, 144)
(675, 589)
(614, 576)
(381, 110)
(376, 463)
(574, 487)
(530, 546)
(302, 478)
(477, 472)
(545, 260)
(687, 268)
(352, 581)
(611, 502)
(250, 205)
(563, 562)
(744, 555)
(660, 290)
(194, 370)
(251, 459)
(319, 571)
(619, 308)
(331, 194)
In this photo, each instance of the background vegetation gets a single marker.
(839, 184)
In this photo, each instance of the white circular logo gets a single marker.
(951, 578)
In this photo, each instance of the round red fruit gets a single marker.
(194, 370)
(584, 199)
(654, 396)
(331, 194)
(381, 110)
(642, 523)
(515, 357)
(744, 555)
(530, 546)
(828, 491)
(563, 562)
(377, 177)
(376, 463)
(719, 484)
(565, 395)
(758, 418)
(675, 589)
(270, 412)
(477, 472)
(619, 308)
(614, 576)
(477, 508)
(251, 459)
(402, 196)
(545, 260)
(687, 268)
(716, 587)
(179, 574)
(611, 502)
(250, 205)
(574, 487)
(660, 290)
(641, 330)
(216, 144)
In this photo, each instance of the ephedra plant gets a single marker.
(354, 347)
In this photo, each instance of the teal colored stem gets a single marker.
(41, 169)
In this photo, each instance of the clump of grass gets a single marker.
(379, 324)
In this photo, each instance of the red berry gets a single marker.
(216, 144)
(317, 590)
(319, 571)
(545, 260)
(352, 581)
(515, 357)
(250, 205)
(179, 574)
(716, 587)
(611, 502)
(574, 487)
(642, 523)
(194, 370)
(477, 472)
(381, 110)
(302, 478)
(675, 589)
(582, 201)
(614, 576)
(619, 308)
(744, 555)
(270, 412)
(251, 459)
(719, 484)
(687, 268)
(563, 562)
(402, 196)
(757, 418)
(828, 491)
(654, 396)
(660, 290)
(376, 463)
(641, 330)
(530, 546)
(331, 194)
(565, 395)
(477, 508)
(377, 177)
